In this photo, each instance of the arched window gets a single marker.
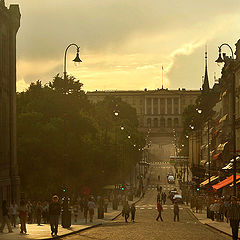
(176, 122)
(155, 122)
(162, 122)
(169, 122)
(149, 122)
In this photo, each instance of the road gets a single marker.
(146, 227)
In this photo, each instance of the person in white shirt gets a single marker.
(91, 206)
(13, 213)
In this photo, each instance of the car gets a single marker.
(171, 179)
(177, 198)
(171, 194)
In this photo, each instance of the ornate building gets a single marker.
(161, 109)
(9, 25)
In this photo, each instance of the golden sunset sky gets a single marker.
(124, 43)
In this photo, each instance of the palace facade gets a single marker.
(161, 109)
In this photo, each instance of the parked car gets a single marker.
(177, 198)
(171, 179)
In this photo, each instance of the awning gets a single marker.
(216, 156)
(223, 118)
(224, 182)
(227, 167)
(238, 181)
(216, 132)
(221, 146)
(207, 180)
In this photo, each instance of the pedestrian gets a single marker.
(75, 211)
(105, 203)
(176, 211)
(234, 216)
(133, 211)
(38, 212)
(23, 216)
(13, 213)
(160, 209)
(91, 206)
(126, 211)
(164, 198)
(54, 212)
(5, 219)
(29, 208)
(158, 197)
(85, 209)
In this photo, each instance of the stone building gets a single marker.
(161, 109)
(9, 25)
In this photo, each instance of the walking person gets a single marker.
(13, 213)
(133, 211)
(23, 216)
(75, 211)
(54, 212)
(176, 211)
(160, 209)
(5, 219)
(85, 209)
(234, 216)
(126, 211)
(91, 206)
(38, 211)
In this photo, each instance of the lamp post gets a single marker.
(219, 61)
(76, 59)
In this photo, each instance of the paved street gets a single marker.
(146, 227)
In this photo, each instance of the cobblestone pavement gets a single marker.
(146, 227)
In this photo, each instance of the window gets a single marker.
(155, 122)
(162, 122)
(176, 122)
(169, 106)
(169, 122)
(162, 105)
(149, 122)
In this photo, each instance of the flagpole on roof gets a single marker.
(162, 77)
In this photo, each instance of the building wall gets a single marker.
(158, 109)
(9, 25)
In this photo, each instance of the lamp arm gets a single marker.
(225, 44)
(65, 58)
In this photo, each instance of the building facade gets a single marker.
(160, 110)
(9, 25)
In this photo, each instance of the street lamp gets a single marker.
(76, 59)
(219, 61)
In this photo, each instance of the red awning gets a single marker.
(225, 182)
(216, 156)
(216, 132)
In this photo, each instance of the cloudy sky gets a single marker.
(124, 43)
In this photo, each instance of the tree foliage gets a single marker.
(65, 141)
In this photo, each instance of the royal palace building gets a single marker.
(9, 25)
(160, 110)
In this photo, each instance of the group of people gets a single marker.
(160, 210)
(25, 213)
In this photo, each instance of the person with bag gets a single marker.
(5, 220)
(133, 211)
(234, 217)
(126, 211)
(160, 209)
(54, 212)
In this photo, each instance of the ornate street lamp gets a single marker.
(76, 59)
(221, 60)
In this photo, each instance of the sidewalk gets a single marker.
(36, 232)
(223, 227)
(43, 232)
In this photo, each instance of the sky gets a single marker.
(124, 43)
